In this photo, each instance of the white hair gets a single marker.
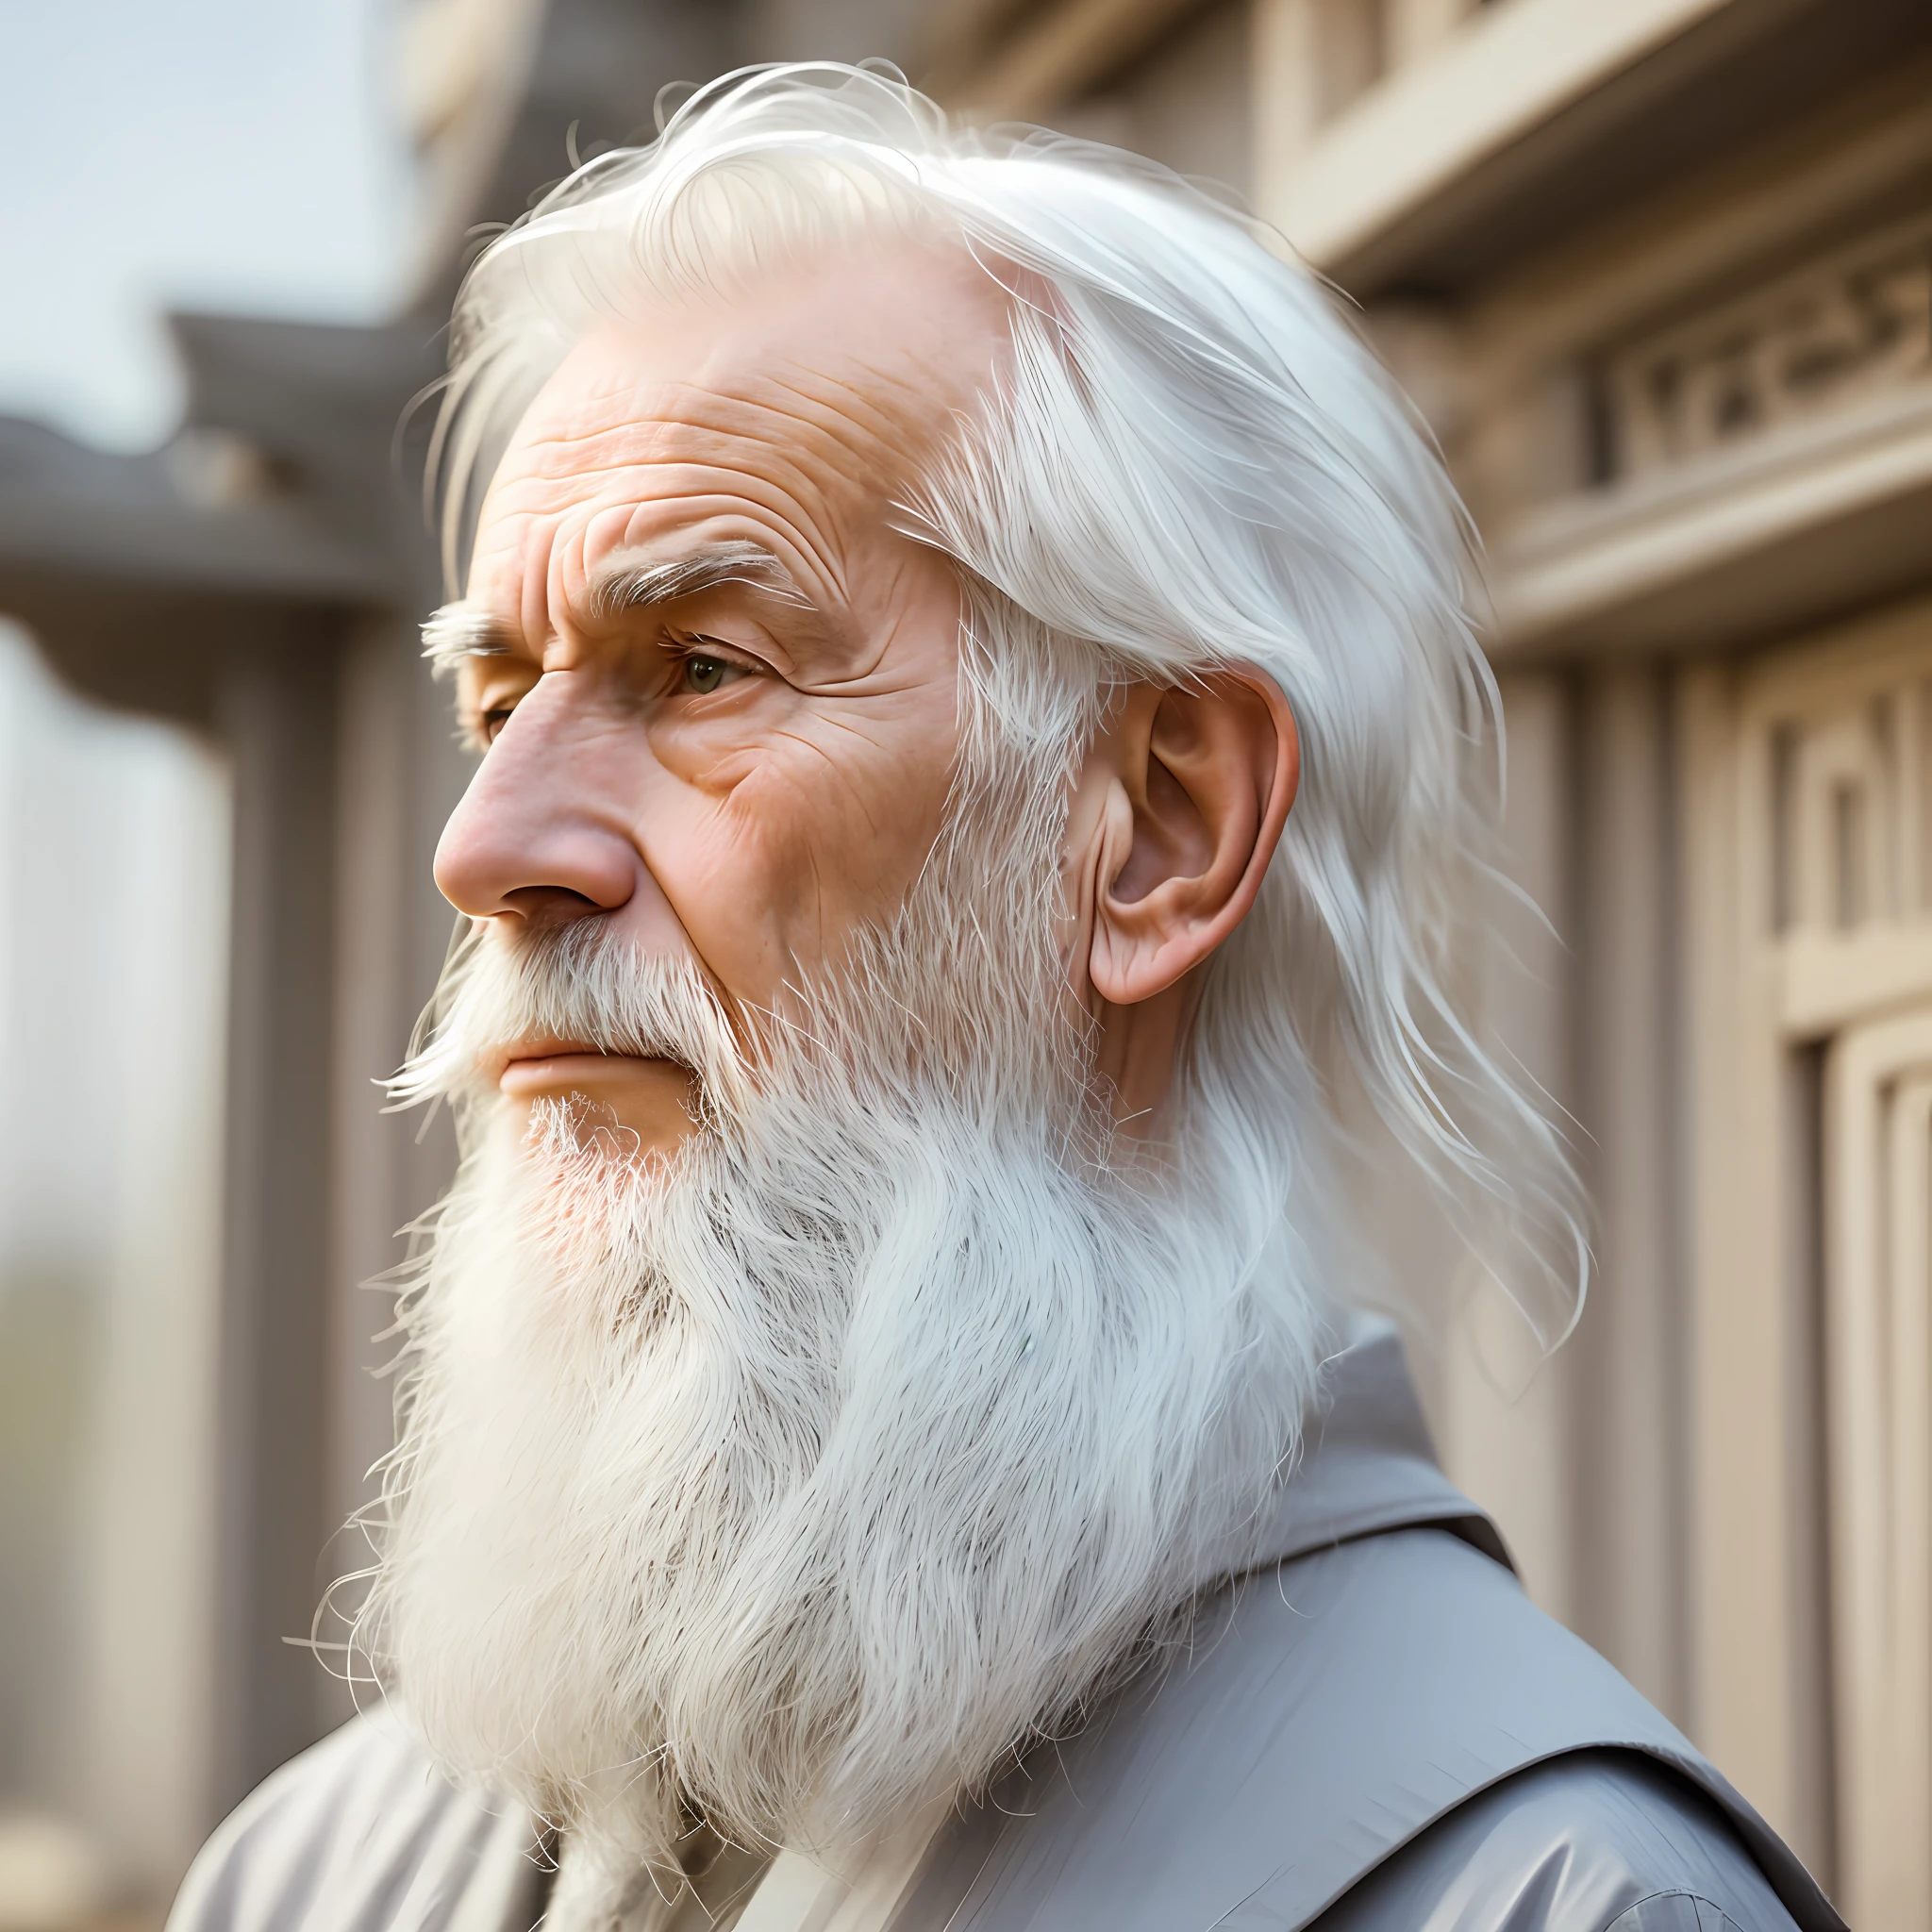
(1193, 462)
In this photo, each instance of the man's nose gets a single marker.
(536, 835)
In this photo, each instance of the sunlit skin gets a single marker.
(745, 773)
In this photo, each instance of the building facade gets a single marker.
(1659, 274)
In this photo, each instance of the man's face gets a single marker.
(721, 711)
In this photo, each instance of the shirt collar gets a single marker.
(1366, 1463)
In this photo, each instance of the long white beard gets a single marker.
(810, 1474)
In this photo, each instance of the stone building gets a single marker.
(1659, 275)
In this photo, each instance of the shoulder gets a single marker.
(360, 1834)
(1477, 1714)
(1594, 1842)
(1329, 1712)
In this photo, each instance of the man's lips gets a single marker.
(548, 1066)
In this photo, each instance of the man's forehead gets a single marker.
(620, 409)
(797, 413)
(860, 354)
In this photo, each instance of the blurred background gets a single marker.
(1658, 273)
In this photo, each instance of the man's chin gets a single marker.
(652, 1103)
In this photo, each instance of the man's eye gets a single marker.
(702, 674)
(494, 719)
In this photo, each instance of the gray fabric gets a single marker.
(360, 1833)
(1367, 1462)
(1331, 1710)
(1378, 1682)
(1587, 1843)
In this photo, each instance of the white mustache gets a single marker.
(570, 983)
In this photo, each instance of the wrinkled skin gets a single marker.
(745, 772)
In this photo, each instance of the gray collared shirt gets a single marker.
(1373, 1731)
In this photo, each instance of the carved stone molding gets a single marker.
(1821, 339)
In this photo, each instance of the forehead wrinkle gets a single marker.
(823, 415)
(792, 428)
(563, 450)
(887, 407)
(773, 477)
(806, 543)
(782, 559)
(823, 451)
(786, 435)
(852, 428)
(836, 405)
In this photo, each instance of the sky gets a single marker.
(236, 155)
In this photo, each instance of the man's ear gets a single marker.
(1195, 786)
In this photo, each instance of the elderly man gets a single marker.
(982, 777)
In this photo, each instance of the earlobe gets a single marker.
(1202, 781)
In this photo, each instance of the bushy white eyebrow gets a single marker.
(465, 629)
(636, 583)
(460, 630)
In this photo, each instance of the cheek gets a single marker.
(819, 831)
(876, 802)
(744, 871)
